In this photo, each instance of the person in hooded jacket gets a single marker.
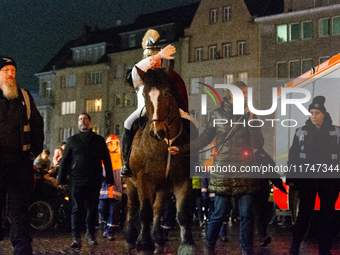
(316, 143)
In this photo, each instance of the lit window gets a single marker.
(194, 85)
(241, 48)
(70, 81)
(96, 129)
(294, 32)
(128, 102)
(68, 107)
(198, 54)
(132, 40)
(281, 33)
(228, 78)
(226, 50)
(212, 52)
(294, 69)
(281, 71)
(336, 25)
(213, 15)
(226, 13)
(96, 78)
(94, 105)
(324, 27)
(307, 29)
(307, 65)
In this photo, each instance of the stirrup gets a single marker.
(126, 171)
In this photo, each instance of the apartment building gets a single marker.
(221, 45)
(306, 34)
(88, 74)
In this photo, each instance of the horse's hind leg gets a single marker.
(130, 229)
(158, 208)
(145, 244)
(183, 201)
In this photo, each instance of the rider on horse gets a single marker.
(152, 59)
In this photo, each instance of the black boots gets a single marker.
(126, 148)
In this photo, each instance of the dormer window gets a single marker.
(89, 53)
(132, 40)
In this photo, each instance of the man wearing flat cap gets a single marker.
(315, 146)
(21, 140)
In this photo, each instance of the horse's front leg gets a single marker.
(130, 229)
(158, 208)
(145, 244)
(182, 193)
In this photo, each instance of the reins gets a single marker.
(219, 144)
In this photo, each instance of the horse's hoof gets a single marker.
(130, 249)
(158, 250)
(186, 249)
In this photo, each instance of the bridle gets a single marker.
(167, 126)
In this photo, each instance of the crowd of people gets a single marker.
(91, 168)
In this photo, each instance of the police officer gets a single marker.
(315, 143)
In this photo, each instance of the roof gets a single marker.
(181, 16)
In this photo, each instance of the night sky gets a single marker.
(33, 31)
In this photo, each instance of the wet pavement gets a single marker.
(58, 242)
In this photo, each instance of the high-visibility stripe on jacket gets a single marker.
(26, 124)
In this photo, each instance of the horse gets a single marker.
(155, 172)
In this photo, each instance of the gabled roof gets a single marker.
(181, 16)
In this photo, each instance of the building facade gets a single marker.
(217, 41)
(88, 74)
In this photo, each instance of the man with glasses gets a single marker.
(21, 140)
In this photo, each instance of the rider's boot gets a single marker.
(126, 148)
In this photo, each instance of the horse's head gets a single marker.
(160, 101)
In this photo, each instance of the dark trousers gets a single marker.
(17, 180)
(260, 211)
(84, 196)
(328, 196)
(109, 210)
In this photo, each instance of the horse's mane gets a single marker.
(160, 77)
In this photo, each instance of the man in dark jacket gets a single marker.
(315, 146)
(21, 140)
(82, 159)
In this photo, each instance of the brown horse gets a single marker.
(154, 175)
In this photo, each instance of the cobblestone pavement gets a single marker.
(58, 242)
